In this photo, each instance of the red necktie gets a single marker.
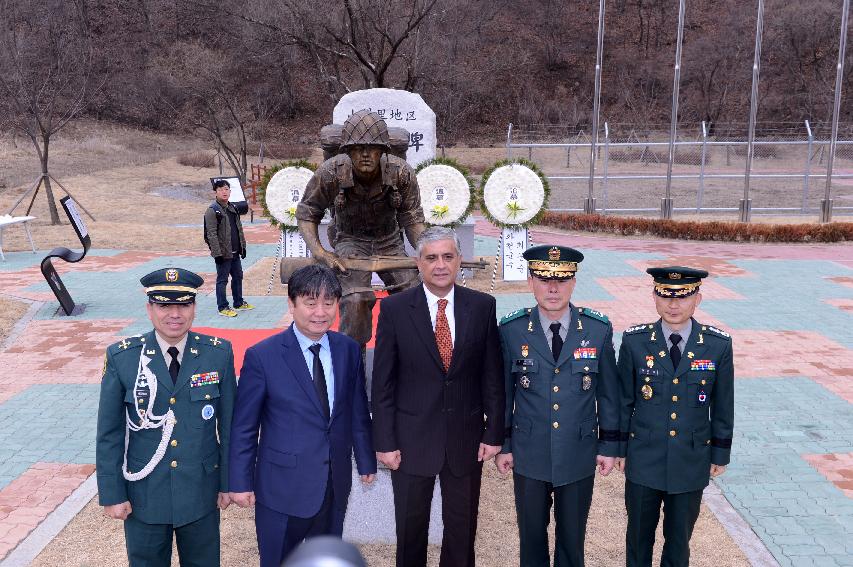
(442, 335)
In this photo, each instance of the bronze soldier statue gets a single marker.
(373, 197)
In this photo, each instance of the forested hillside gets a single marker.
(280, 65)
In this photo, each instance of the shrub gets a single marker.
(197, 159)
(697, 230)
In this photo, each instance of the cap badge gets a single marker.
(674, 276)
(171, 275)
(554, 254)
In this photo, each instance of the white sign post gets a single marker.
(402, 109)
(515, 242)
(294, 245)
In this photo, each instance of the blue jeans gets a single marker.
(234, 268)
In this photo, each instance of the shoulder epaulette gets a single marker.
(514, 315)
(209, 340)
(127, 343)
(716, 331)
(594, 314)
(644, 328)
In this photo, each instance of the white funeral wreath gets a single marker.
(445, 194)
(284, 191)
(514, 194)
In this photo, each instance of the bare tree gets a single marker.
(45, 73)
(352, 44)
(209, 90)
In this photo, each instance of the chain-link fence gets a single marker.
(787, 177)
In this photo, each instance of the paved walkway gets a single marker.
(788, 308)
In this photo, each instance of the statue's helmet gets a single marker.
(365, 128)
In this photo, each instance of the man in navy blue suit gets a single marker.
(304, 389)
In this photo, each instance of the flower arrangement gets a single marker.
(446, 191)
(281, 189)
(514, 194)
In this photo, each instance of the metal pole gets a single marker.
(589, 204)
(701, 194)
(745, 207)
(509, 142)
(808, 167)
(604, 175)
(666, 202)
(826, 203)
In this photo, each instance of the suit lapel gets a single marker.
(693, 346)
(295, 361)
(538, 340)
(659, 346)
(158, 363)
(189, 363)
(339, 369)
(461, 318)
(419, 312)
(574, 336)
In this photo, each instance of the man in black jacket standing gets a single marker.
(223, 233)
(438, 401)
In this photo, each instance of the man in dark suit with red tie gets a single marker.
(303, 389)
(438, 401)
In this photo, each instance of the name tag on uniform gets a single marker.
(204, 379)
(702, 365)
(589, 352)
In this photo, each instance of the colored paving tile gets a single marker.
(792, 507)
(789, 308)
(837, 468)
(787, 295)
(28, 499)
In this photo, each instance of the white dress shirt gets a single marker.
(432, 303)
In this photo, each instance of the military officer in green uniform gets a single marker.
(164, 421)
(677, 416)
(562, 408)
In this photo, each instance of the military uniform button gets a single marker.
(675, 380)
(555, 425)
(673, 415)
(556, 371)
(216, 466)
(632, 435)
(141, 401)
(207, 396)
(675, 398)
(708, 442)
(586, 368)
(702, 382)
(172, 400)
(556, 407)
(174, 443)
(672, 433)
(174, 464)
(556, 388)
(648, 379)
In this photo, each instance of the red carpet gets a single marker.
(241, 339)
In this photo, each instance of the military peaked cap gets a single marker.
(676, 281)
(552, 262)
(171, 285)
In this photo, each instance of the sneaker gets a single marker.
(245, 307)
(228, 312)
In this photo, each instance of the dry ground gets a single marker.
(92, 540)
(10, 312)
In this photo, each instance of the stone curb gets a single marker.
(751, 545)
